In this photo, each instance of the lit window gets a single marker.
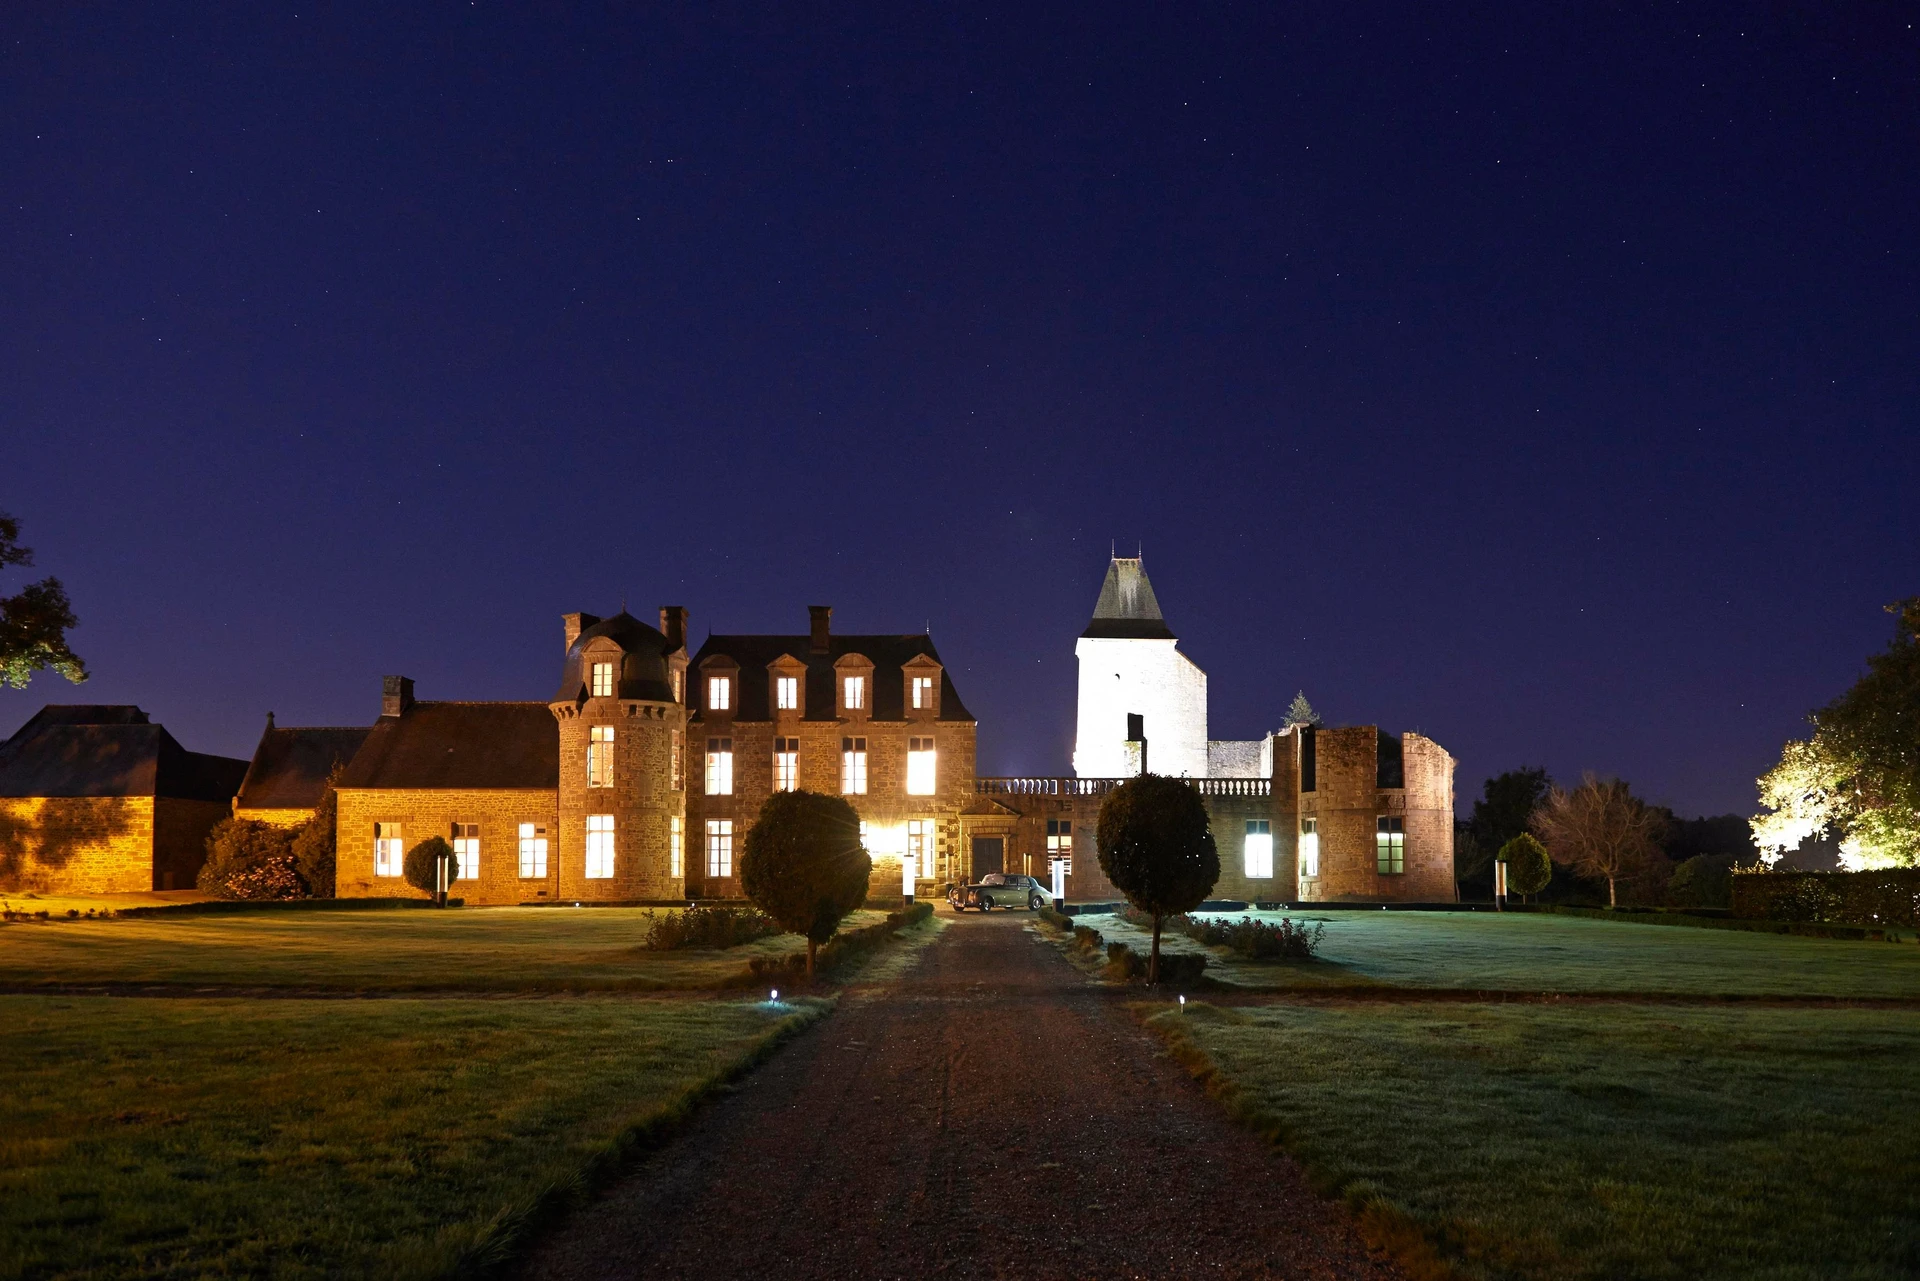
(676, 768)
(920, 767)
(599, 847)
(786, 764)
(600, 756)
(603, 680)
(388, 856)
(786, 693)
(719, 767)
(856, 687)
(719, 693)
(533, 850)
(1390, 846)
(1060, 842)
(922, 692)
(1309, 847)
(466, 851)
(920, 846)
(676, 846)
(853, 766)
(719, 847)
(1259, 853)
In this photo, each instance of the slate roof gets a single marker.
(643, 666)
(1127, 608)
(109, 750)
(290, 766)
(460, 745)
(888, 654)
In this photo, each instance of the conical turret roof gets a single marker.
(1127, 608)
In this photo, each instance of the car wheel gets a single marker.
(986, 905)
(1035, 903)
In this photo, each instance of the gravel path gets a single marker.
(987, 1115)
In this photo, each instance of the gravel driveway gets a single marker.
(987, 1115)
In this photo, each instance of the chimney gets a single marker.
(396, 695)
(575, 624)
(820, 615)
(673, 626)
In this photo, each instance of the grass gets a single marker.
(466, 949)
(1594, 1140)
(302, 1138)
(1544, 953)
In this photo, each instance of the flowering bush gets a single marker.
(248, 859)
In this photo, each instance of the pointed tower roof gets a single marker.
(1127, 608)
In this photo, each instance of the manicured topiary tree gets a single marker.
(422, 866)
(1528, 867)
(802, 864)
(1157, 848)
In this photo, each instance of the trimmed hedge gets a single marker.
(716, 926)
(1890, 897)
(1128, 966)
(842, 949)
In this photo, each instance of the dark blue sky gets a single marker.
(1543, 378)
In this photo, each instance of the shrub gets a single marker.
(1529, 870)
(1057, 919)
(1088, 939)
(313, 843)
(719, 927)
(842, 948)
(248, 859)
(1705, 880)
(1156, 848)
(1128, 966)
(422, 866)
(803, 865)
(1260, 940)
(1890, 897)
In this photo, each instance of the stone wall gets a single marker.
(77, 844)
(180, 829)
(1348, 804)
(641, 799)
(1153, 679)
(422, 813)
(278, 816)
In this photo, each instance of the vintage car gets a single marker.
(999, 889)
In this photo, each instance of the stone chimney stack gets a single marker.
(574, 625)
(673, 626)
(821, 616)
(396, 695)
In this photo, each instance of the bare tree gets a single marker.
(1601, 829)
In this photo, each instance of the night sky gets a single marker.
(1543, 378)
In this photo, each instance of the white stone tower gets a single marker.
(1136, 684)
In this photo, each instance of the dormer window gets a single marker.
(922, 693)
(855, 693)
(603, 680)
(786, 693)
(719, 693)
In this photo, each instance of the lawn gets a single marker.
(1483, 951)
(312, 1138)
(464, 949)
(1600, 1139)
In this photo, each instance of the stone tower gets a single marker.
(622, 716)
(1142, 702)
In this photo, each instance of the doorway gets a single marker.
(989, 855)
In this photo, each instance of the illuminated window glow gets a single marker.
(1060, 842)
(599, 847)
(466, 851)
(677, 767)
(920, 847)
(1309, 847)
(1259, 850)
(1390, 846)
(853, 766)
(786, 764)
(922, 692)
(719, 847)
(786, 693)
(719, 767)
(388, 854)
(920, 767)
(533, 850)
(603, 680)
(719, 693)
(856, 692)
(600, 756)
(676, 846)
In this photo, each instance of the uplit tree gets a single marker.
(1858, 776)
(1529, 870)
(802, 863)
(1157, 848)
(313, 844)
(1601, 829)
(34, 621)
(1301, 712)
